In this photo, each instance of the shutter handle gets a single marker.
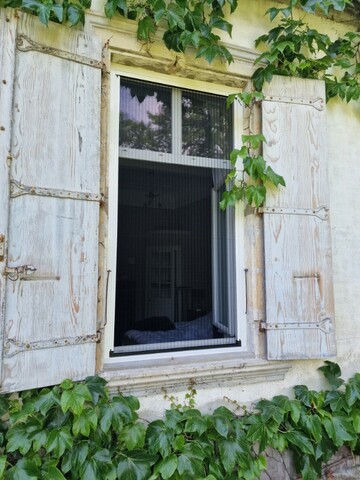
(14, 273)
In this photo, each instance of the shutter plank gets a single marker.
(8, 26)
(299, 290)
(55, 145)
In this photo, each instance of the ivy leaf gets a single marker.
(145, 29)
(196, 423)
(55, 474)
(25, 469)
(340, 429)
(76, 14)
(230, 453)
(273, 177)
(135, 466)
(352, 390)
(75, 399)
(97, 387)
(312, 426)
(133, 436)
(58, 441)
(309, 470)
(115, 414)
(332, 373)
(175, 16)
(85, 422)
(269, 410)
(46, 400)
(18, 439)
(159, 438)
(190, 461)
(167, 467)
(301, 441)
(256, 194)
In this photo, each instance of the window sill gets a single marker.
(138, 378)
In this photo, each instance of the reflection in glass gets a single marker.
(206, 125)
(145, 116)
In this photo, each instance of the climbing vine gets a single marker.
(76, 431)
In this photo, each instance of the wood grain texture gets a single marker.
(298, 258)
(8, 25)
(55, 144)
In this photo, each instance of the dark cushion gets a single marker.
(152, 324)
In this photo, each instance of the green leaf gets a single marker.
(167, 467)
(133, 436)
(175, 16)
(274, 178)
(253, 140)
(115, 414)
(159, 438)
(340, 429)
(256, 194)
(18, 439)
(46, 400)
(332, 373)
(135, 466)
(3, 462)
(85, 422)
(301, 441)
(75, 14)
(97, 388)
(230, 453)
(145, 29)
(25, 469)
(58, 441)
(190, 461)
(55, 474)
(74, 399)
(352, 390)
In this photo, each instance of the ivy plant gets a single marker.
(77, 431)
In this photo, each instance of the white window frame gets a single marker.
(239, 249)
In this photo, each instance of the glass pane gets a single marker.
(164, 258)
(145, 116)
(206, 125)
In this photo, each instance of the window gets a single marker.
(176, 284)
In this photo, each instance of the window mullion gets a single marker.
(176, 122)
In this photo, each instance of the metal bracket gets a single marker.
(25, 44)
(17, 190)
(2, 248)
(317, 103)
(18, 273)
(325, 325)
(320, 212)
(12, 346)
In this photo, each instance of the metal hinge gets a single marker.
(17, 190)
(18, 273)
(317, 103)
(12, 346)
(325, 325)
(25, 44)
(2, 248)
(320, 212)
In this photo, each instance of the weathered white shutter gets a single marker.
(299, 290)
(53, 203)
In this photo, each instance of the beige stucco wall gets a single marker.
(343, 127)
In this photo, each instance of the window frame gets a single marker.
(239, 219)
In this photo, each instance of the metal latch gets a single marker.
(2, 247)
(16, 273)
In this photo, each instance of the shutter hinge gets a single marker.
(12, 346)
(18, 189)
(2, 248)
(25, 44)
(18, 273)
(320, 212)
(325, 325)
(317, 103)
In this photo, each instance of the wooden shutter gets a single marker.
(53, 196)
(298, 278)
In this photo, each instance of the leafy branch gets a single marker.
(77, 431)
(250, 175)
